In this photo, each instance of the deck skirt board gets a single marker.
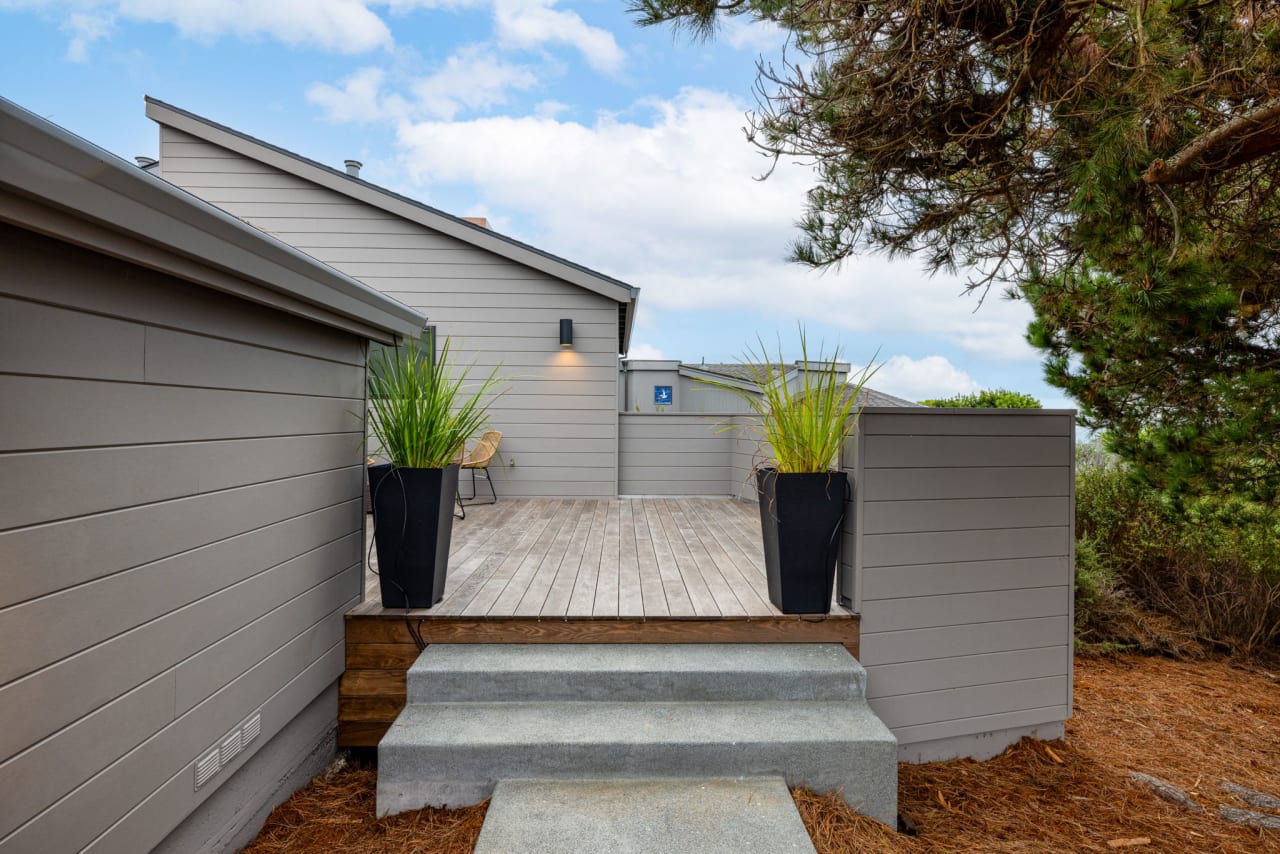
(622, 571)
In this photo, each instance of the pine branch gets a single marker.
(1241, 140)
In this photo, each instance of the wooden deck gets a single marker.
(578, 571)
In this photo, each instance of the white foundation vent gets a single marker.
(206, 767)
(252, 727)
(222, 754)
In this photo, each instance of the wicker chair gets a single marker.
(478, 461)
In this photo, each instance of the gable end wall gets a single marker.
(559, 416)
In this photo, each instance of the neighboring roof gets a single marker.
(77, 179)
(402, 206)
(739, 371)
(871, 397)
(743, 374)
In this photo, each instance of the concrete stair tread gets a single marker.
(716, 816)
(747, 722)
(535, 672)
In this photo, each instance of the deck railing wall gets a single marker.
(958, 553)
(686, 455)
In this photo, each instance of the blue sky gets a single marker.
(568, 127)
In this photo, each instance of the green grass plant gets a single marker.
(421, 413)
(807, 425)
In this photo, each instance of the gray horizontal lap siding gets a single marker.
(958, 554)
(495, 311)
(693, 455)
(180, 534)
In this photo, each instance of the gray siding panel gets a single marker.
(99, 479)
(48, 413)
(916, 677)
(959, 556)
(90, 347)
(945, 546)
(494, 310)
(890, 582)
(104, 670)
(180, 533)
(926, 612)
(880, 648)
(965, 451)
(907, 484)
(901, 517)
(969, 424)
(971, 701)
(665, 454)
(39, 271)
(81, 550)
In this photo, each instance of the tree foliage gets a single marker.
(998, 398)
(1112, 163)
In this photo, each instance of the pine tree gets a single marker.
(1115, 164)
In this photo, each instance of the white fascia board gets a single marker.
(394, 203)
(45, 162)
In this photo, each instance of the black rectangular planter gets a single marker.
(413, 523)
(800, 516)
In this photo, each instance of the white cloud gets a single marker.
(758, 36)
(920, 379)
(86, 28)
(644, 351)
(530, 24)
(342, 26)
(357, 100)
(474, 78)
(668, 203)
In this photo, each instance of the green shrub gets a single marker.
(1211, 565)
(998, 398)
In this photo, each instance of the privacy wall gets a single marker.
(958, 553)
(687, 455)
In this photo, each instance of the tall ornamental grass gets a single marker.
(807, 425)
(421, 414)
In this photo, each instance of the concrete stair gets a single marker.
(739, 816)
(481, 713)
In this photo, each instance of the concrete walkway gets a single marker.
(753, 814)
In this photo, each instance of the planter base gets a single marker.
(413, 523)
(800, 516)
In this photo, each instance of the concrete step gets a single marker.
(727, 816)
(453, 753)
(454, 673)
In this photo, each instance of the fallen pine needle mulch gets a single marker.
(1192, 724)
(335, 814)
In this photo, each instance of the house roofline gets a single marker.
(58, 169)
(395, 203)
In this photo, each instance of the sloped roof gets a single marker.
(42, 161)
(747, 372)
(402, 206)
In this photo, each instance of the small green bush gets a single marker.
(1211, 565)
(998, 398)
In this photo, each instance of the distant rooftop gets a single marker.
(748, 371)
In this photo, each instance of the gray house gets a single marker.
(499, 300)
(181, 520)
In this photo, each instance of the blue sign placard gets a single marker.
(662, 395)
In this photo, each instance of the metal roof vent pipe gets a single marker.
(145, 162)
(353, 168)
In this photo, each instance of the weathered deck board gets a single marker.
(577, 571)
